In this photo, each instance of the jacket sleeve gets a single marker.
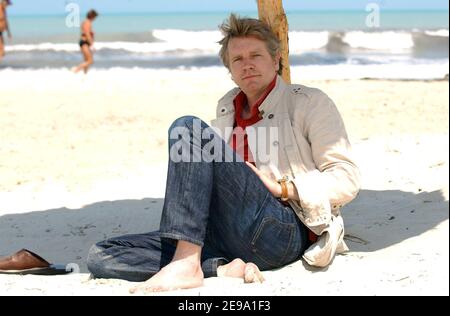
(336, 180)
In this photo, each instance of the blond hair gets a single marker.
(236, 26)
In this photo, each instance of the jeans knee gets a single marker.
(183, 121)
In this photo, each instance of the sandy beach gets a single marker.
(84, 158)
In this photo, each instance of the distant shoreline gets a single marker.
(254, 12)
(445, 78)
(298, 20)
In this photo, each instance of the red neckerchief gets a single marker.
(240, 101)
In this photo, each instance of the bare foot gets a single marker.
(252, 274)
(180, 274)
(239, 269)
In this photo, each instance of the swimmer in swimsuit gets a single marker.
(86, 42)
(4, 26)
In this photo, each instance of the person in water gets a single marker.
(4, 26)
(87, 42)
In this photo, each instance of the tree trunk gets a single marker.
(272, 12)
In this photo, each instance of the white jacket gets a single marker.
(312, 150)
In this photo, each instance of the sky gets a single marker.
(41, 7)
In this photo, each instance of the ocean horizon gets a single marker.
(351, 20)
(404, 39)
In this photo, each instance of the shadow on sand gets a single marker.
(375, 220)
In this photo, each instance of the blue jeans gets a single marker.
(222, 206)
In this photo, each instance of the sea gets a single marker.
(323, 44)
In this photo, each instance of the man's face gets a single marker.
(252, 67)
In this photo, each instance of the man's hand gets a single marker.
(272, 185)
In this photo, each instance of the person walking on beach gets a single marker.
(230, 209)
(86, 42)
(4, 26)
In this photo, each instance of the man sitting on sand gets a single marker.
(230, 209)
(4, 26)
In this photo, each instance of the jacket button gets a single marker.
(275, 143)
(271, 116)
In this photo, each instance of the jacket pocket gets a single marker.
(272, 242)
(294, 160)
(290, 145)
